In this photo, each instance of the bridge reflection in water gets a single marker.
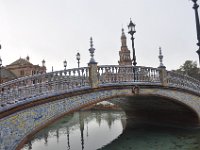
(89, 130)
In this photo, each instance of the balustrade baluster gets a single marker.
(139, 74)
(101, 75)
(117, 74)
(149, 74)
(144, 75)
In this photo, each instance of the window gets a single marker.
(22, 72)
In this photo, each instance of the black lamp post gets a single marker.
(195, 7)
(131, 31)
(78, 57)
(65, 64)
(0, 68)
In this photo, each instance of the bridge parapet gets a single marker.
(146, 75)
(116, 74)
(35, 87)
(49, 84)
(183, 81)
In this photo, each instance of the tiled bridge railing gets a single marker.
(183, 82)
(42, 85)
(29, 88)
(117, 74)
(147, 75)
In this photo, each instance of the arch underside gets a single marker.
(163, 105)
(157, 110)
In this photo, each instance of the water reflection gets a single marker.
(84, 130)
(140, 135)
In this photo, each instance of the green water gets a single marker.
(153, 137)
(111, 130)
(88, 130)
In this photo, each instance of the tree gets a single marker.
(190, 68)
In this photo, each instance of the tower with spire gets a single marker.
(124, 53)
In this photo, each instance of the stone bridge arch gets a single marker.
(158, 109)
(20, 122)
(183, 99)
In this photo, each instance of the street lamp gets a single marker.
(131, 31)
(195, 7)
(0, 68)
(65, 64)
(78, 57)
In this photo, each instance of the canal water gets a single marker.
(111, 130)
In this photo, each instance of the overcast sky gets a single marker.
(56, 30)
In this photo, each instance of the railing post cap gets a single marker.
(90, 63)
(161, 67)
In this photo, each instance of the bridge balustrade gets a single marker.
(117, 74)
(30, 87)
(183, 81)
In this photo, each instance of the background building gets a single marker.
(6, 75)
(23, 67)
(20, 68)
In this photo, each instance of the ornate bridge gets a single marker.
(29, 103)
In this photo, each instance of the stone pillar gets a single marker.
(93, 79)
(93, 74)
(162, 69)
(163, 76)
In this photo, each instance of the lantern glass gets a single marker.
(78, 56)
(65, 63)
(131, 27)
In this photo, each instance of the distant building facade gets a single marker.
(23, 67)
(20, 68)
(6, 75)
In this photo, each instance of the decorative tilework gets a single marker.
(17, 126)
